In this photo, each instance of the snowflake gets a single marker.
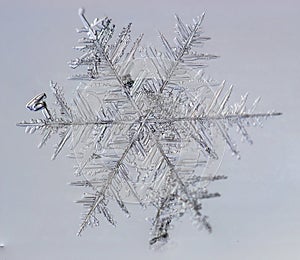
(145, 126)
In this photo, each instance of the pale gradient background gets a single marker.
(258, 215)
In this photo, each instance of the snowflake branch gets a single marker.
(99, 198)
(184, 47)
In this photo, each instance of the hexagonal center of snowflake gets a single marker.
(143, 133)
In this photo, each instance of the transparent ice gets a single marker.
(145, 126)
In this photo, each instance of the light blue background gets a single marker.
(258, 215)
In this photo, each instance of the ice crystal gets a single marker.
(145, 126)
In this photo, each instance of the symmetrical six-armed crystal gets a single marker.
(145, 126)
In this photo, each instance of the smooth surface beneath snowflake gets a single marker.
(268, 184)
(141, 128)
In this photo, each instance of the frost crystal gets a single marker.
(145, 126)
